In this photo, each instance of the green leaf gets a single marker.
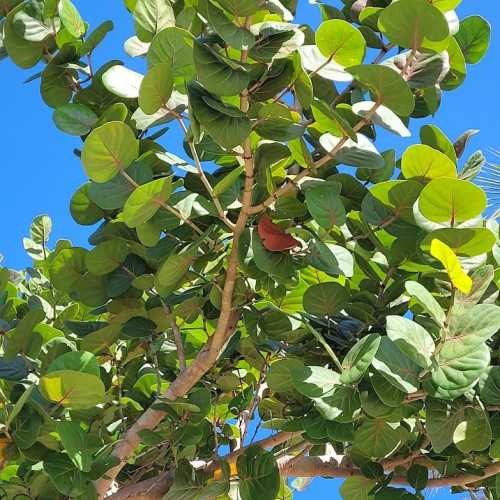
(412, 339)
(259, 474)
(280, 375)
(71, 19)
(108, 149)
(227, 125)
(233, 35)
(175, 267)
(174, 46)
(113, 194)
(72, 389)
(106, 256)
(67, 268)
(95, 38)
(314, 381)
(325, 205)
(241, 9)
(151, 17)
(40, 229)
(64, 476)
(386, 85)
(359, 358)
(325, 299)
(435, 138)
(329, 120)
(340, 41)
(451, 201)
(474, 38)
(26, 428)
(357, 488)
(391, 199)
(79, 361)
(465, 242)
(75, 442)
(395, 367)
(218, 74)
(376, 439)
(473, 433)
(156, 88)
(146, 200)
(470, 329)
(442, 419)
(74, 119)
(139, 327)
(360, 154)
(418, 476)
(490, 386)
(342, 404)
(331, 259)
(415, 24)
(421, 162)
(453, 377)
(426, 299)
(23, 53)
(83, 210)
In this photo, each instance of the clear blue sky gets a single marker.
(39, 172)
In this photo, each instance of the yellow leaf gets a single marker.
(447, 257)
(233, 471)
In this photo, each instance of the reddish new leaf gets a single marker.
(273, 237)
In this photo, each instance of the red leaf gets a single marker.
(273, 237)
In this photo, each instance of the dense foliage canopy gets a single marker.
(277, 269)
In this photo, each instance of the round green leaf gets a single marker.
(156, 88)
(279, 377)
(72, 389)
(74, 119)
(465, 242)
(314, 381)
(359, 358)
(376, 439)
(109, 149)
(473, 433)
(106, 256)
(437, 139)
(173, 46)
(67, 268)
(386, 85)
(139, 327)
(151, 17)
(83, 209)
(325, 299)
(395, 367)
(146, 200)
(340, 41)
(79, 361)
(412, 339)
(258, 473)
(415, 24)
(219, 75)
(325, 205)
(421, 162)
(451, 201)
(474, 38)
(357, 488)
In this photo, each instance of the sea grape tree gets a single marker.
(277, 272)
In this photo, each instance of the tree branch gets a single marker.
(226, 323)
(177, 336)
